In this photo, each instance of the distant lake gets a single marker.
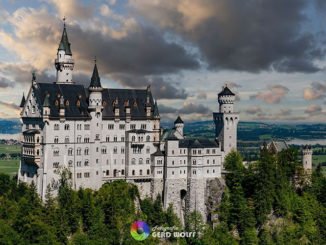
(9, 136)
(306, 142)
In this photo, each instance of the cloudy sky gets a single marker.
(272, 53)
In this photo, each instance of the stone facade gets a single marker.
(102, 135)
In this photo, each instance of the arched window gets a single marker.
(70, 151)
(148, 172)
(133, 138)
(148, 138)
(86, 163)
(140, 161)
(133, 172)
(79, 151)
(141, 172)
(148, 150)
(86, 151)
(70, 163)
(133, 161)
(147, 161)
(67, 102)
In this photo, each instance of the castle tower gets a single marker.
(95, 91)
(226, 121)
(307, 158)
(157, 126)
(178, 125)
(64, 63)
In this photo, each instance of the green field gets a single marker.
(9, 148)
(9, 166)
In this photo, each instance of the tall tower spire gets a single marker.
(64, 62)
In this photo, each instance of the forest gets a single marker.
(273, 201)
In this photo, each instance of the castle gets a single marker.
(103, 134)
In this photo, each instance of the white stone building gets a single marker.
(103, 135)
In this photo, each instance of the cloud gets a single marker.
(233, 85)
(166, 109)
(240, 35)
(73, 9)
(273, 95)
(317, 91)
(284, 112)
(5, 83)
(9, 106)
(313, 110)
(202, 95)
(253, 110)
(190, 107)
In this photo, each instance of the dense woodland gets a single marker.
(271, 202)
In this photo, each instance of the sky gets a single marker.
(271, 53)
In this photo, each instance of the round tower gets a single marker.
(64, 62)
(307, 158)
(226, 100)
(95, 91)
(178, 125)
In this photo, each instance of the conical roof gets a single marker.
(22, 103)
(226, 91)
(95, 80)
(156, 112)
(179, 120)
(64, 43)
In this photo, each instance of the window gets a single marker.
(86, 163)
(172, 162)
(107, 173)
(121, 126)
(148, 172)
(194, 152)
(86, 127)
(55, 165)
(56, 139)
(86, 151)
(207, 161)
(132, 126)
(96, 160)
(86, 139)
(133, 172)
(79, 164)
(133, 138)
(172, 152)
(115, 138)
(122, 172)
(141, 172)
(122, 150)
(97, 137)
(148, 138)
(213, 161)
(70, 151)
(67, 139)
(213, 170)
(70, 163)
(111, 126)
(213, 151)
(148, 150)
(140, 161)
(147, 161)
(78, 151)
(133, 161)
(172, 172)
(86, 175)
(67, 126)
(194, 162)
(56, 127)
(104, 150)
(79, 139)
(79, 175)
(115, 150)
(107, 139)
(56, 152)
(143, 126)
(122, 139)
(207, 151)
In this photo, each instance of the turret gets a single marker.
(226, 100)
(46, 107)
(226, 121)
(307, 158)
(95, 91)
(178, 125)
(64, 63)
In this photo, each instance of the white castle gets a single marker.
(102, 135)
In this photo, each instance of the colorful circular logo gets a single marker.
(139, 230)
